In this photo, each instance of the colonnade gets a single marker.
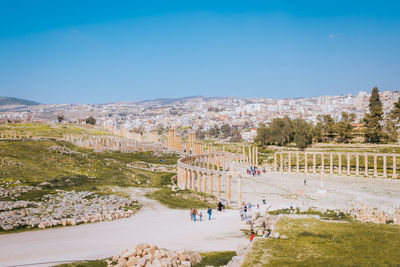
(349, 163)
(4, 135)
(105, 142)
(208, 172)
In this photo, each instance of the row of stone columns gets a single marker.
(250, 156)
(198, 173)
(13, 135)
(287, 166)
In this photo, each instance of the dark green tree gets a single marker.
(302, 133)
(373, 120)
(235, 135)
(344, 129)
(326, 126)
(226, 130)
(90, 120)
(392, 121)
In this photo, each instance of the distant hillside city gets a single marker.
(196, 112)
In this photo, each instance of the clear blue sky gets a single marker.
(103, 51)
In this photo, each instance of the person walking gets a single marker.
(194, 214)
(241, 215)
(191, 214)
(209, 211)
(252, 236)
(201, 215)
(245, 211)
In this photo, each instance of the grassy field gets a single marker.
(52, 130)
(184, 199)
(312, 242)
(37, 163)
(218, 258)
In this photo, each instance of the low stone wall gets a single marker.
(63, 208)
(365, 213)
(150, 255)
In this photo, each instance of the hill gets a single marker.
(5, 101)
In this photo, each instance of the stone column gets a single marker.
(210, 190)
(384, 166)
(186, 179)
(375, 165)
(297, 162)
(357, 164)
(281, 158)
(192, 179)
(366, 164)
(348, 164)
(340, 163)
(394, 175)
(289, 162)
(322, 162)
(205, 182)
(244, 153)
(314, 163)
(250, 155)
(331, 163)
(275, 162)
(219, 187)
(305, 163)
(240, 190)
(228, 189)
(256, 155)
(199, 175)
(218, 162)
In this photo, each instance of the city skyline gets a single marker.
(57, 53)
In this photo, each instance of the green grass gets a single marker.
(218, 258)
(53, 130)
(184, 199)
(32, 163)
(328, 215)
(92, 263)
(312, 242)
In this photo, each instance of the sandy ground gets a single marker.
(172, 229)
(281, 190)
(154, 223)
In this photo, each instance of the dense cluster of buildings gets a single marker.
(202, 112)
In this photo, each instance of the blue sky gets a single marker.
(105, 51)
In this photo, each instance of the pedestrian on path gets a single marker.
(209, 211)
(194, 214)
(252, 236)
(201, 215)
(191, 214)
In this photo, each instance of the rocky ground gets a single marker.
(62, 208)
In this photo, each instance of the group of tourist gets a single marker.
(194, 214)
(254, 171)
(245, 208)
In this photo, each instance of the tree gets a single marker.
(60, 117)
(302, 133)
(214, 131)
(90, 120)
(344, 129)
(200, 133)
(235, 134)
(263, 135)
(373, 120)
(391, 122)
(326, 127)
(226, 130)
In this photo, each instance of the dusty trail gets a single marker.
(154, 223)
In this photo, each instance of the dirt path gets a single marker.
(154, 223)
